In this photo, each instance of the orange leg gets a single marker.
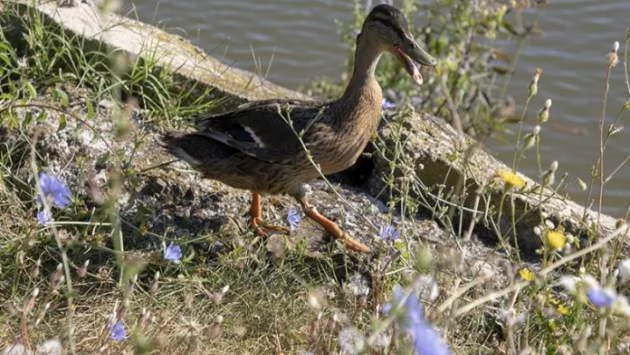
(332, 228)
(256, 222)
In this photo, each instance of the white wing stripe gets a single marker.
(256, 139)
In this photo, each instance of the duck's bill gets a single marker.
(412, 59)
(410, 66)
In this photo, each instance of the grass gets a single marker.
(70, 109)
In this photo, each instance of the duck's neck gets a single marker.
(363, 84)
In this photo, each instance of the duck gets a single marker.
(278, 146)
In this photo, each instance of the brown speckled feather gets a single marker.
(266, 130)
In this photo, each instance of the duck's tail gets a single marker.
(178, 144)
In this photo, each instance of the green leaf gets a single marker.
(61, 96)
(62, 122)
(28, 118)
(30, 89)
(6, 61)
(90, 110)
(42, 116)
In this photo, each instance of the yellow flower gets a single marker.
(511, 179)
(562, 309)
(556, 240)
(526, 274)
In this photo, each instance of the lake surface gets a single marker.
(293, 42)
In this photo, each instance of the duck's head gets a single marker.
(389, 26)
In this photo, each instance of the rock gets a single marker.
(443, 160)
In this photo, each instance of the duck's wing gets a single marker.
(265, 130)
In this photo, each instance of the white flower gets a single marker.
(621, 306)
(549, 224)
(590, 281)
(351, 340)
(511, 317)
(568, 283)
(624, 270)
(22, 62)
(50, 347)
(428, 287)
(357, 285)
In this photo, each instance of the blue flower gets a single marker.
(388, 105)
(173, 252)
(389, 232)
(55, 190)
(44, 217)
(426, 340)
(600, 297)
(294, 217)
(119, 333)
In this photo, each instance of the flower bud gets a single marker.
(624, 270)
(613, 59)
(543, 114)
(529, 141)
(549, 178)
(532, 90)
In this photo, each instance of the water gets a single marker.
(293, 42)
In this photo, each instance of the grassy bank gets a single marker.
(126, 255)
